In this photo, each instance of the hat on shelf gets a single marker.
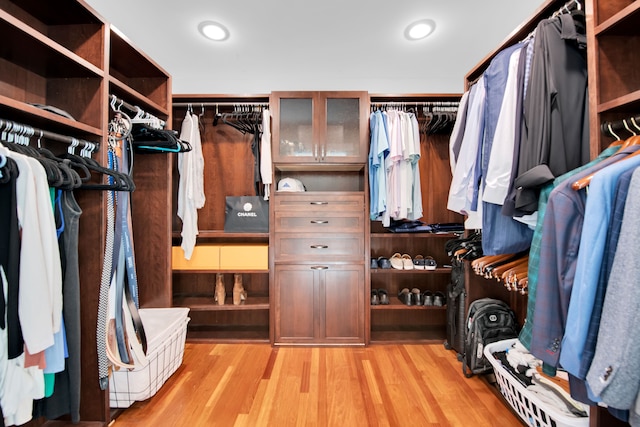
(290, 184)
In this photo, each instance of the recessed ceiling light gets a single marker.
(213, 30)
(420, 29)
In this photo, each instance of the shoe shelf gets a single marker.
(206, 302)
(438, 270)
(398, 305)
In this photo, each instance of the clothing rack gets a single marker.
(220, 104)
(25, 133)
(630, 125)
(140, 116)
(432, 106)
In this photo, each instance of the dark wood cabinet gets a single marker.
(319, 303)
(318, 249)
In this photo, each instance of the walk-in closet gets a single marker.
(286, 214)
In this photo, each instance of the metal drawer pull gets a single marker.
(319, 246)
(319, 221)
(319, 267)
(318, 203)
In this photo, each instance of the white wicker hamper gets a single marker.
(533, 411)
(166, 331)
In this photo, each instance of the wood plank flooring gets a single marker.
(259, 385)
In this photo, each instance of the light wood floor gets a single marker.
(259, 385)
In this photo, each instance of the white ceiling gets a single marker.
(316, 45)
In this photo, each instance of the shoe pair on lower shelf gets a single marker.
(379, 297)
(239, 293)
(416, 297)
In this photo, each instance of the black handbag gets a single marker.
(246, 214)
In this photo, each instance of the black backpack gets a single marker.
(488, 320)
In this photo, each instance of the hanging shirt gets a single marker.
(463, 181)
(266, 169)
(455, 140)
(191, 183)
(416, 196)
(378, 150)
(556, 108)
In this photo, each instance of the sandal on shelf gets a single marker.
(396, 261)
(418, 262)
(416, 294)
(407, 262)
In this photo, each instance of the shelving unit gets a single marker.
(248, 322)
(396, 322)
(63, 54)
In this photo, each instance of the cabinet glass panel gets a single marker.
(296, 131)
(343, 127)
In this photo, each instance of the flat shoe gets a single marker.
(427, 298)
(430, 263)
(384, 263)
(374, 297)
(405, 296)
(383, 297)
(416, 295)
(418, 262)
(407, 262)
(438, 299)
(396, 261)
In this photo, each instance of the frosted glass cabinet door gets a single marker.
(296, 127)
(320, 127)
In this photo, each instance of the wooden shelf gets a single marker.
(35, 51)
(413, 335)
(217, 271)
(222, 235)
(45, 119)
(628, 103)
(208, 304)
(132, 96)
(396, 304)
(390, 235)
(625, 22)
(438, 270)
(236, 335)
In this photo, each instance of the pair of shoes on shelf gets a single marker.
(379, 297)
(424, 263)
(411, 297)
(436, 299)
(380, 262)
(401, 262)
(239, 293)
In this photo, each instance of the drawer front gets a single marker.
(309, 247)
(320, 222)
(319, 202)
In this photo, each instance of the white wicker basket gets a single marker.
(166, 330)
(533, 411)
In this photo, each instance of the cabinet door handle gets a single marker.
(319, 221)
(318, 203)
(319, 267)
(318, 246)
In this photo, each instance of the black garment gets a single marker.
(66, 395)
(556, 105)
(10, 258)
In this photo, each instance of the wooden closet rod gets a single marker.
(28, 132)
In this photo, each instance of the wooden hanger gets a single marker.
(633, 140)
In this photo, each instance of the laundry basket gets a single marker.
(166, 331)
(533, 411)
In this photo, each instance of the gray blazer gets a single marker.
(614, 374)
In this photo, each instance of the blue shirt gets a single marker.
(378, 150)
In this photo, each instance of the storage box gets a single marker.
(532, 410)
(204, 257)
(244, 257)
(166, 331)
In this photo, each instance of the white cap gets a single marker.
(290, 184)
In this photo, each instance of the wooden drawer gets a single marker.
(318, 202)
(320, 222)
(310, 247)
